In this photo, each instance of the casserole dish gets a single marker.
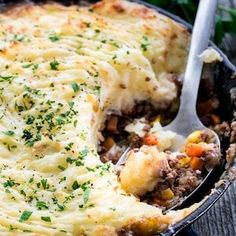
(222, 79)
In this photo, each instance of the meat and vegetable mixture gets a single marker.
(173, 167)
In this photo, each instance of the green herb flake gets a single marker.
(144, 46)
(44, 183)
(11, 228)
(31, 179)
(22, 192)
(41, 205)
(75, 185)
(75, 123)
(30, 120)
(70, 160)
(61, 167)
(35, 67)
(6, 78)
(25, 216)
(61, 207)
(18, 37)
(46, 218)
(86, 194)
(54, 65)
(69, 146)
(90, 169)
(9, 183)
(83, 153)
(27, 65)
(9, 133)
(54, 37)
(75, 87)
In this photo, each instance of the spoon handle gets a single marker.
(200, 39)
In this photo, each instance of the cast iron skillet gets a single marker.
(224, 75)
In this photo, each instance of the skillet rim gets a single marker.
(225, 180)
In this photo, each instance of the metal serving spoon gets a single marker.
(187, 120)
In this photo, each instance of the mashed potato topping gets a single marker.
(61, 70)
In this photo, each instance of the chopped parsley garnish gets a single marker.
(27, 65)
(41, 205)
(115, 44)
(54, 65)
(45, 184)
(11, 228)
(91, 169)
(46, 218)
(62, 179)
(32, 90)
(31, 179)
(30, 120)
(145, 37)
(86, 194)
(33, 66)
(9, 183)
(54, 37)
(75, 185)
(70, 160)
(25, 216)
(9, 133)
(75, 87)
(27, 135)
(61, 167)
(69, 146)
(144, 46)
(18, 37)
(61, 207)
(19, 108)
(22, 192)
(83, 153)
(6, 78)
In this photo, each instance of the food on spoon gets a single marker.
(164, 176)
(142, 170)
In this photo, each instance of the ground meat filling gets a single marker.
(117, 139)
(171, 175)
(175, 183)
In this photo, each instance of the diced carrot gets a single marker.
(194, 149)
(167, 194)
(108, 143)
(150, 140)
(112, 124)
(196, 163)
